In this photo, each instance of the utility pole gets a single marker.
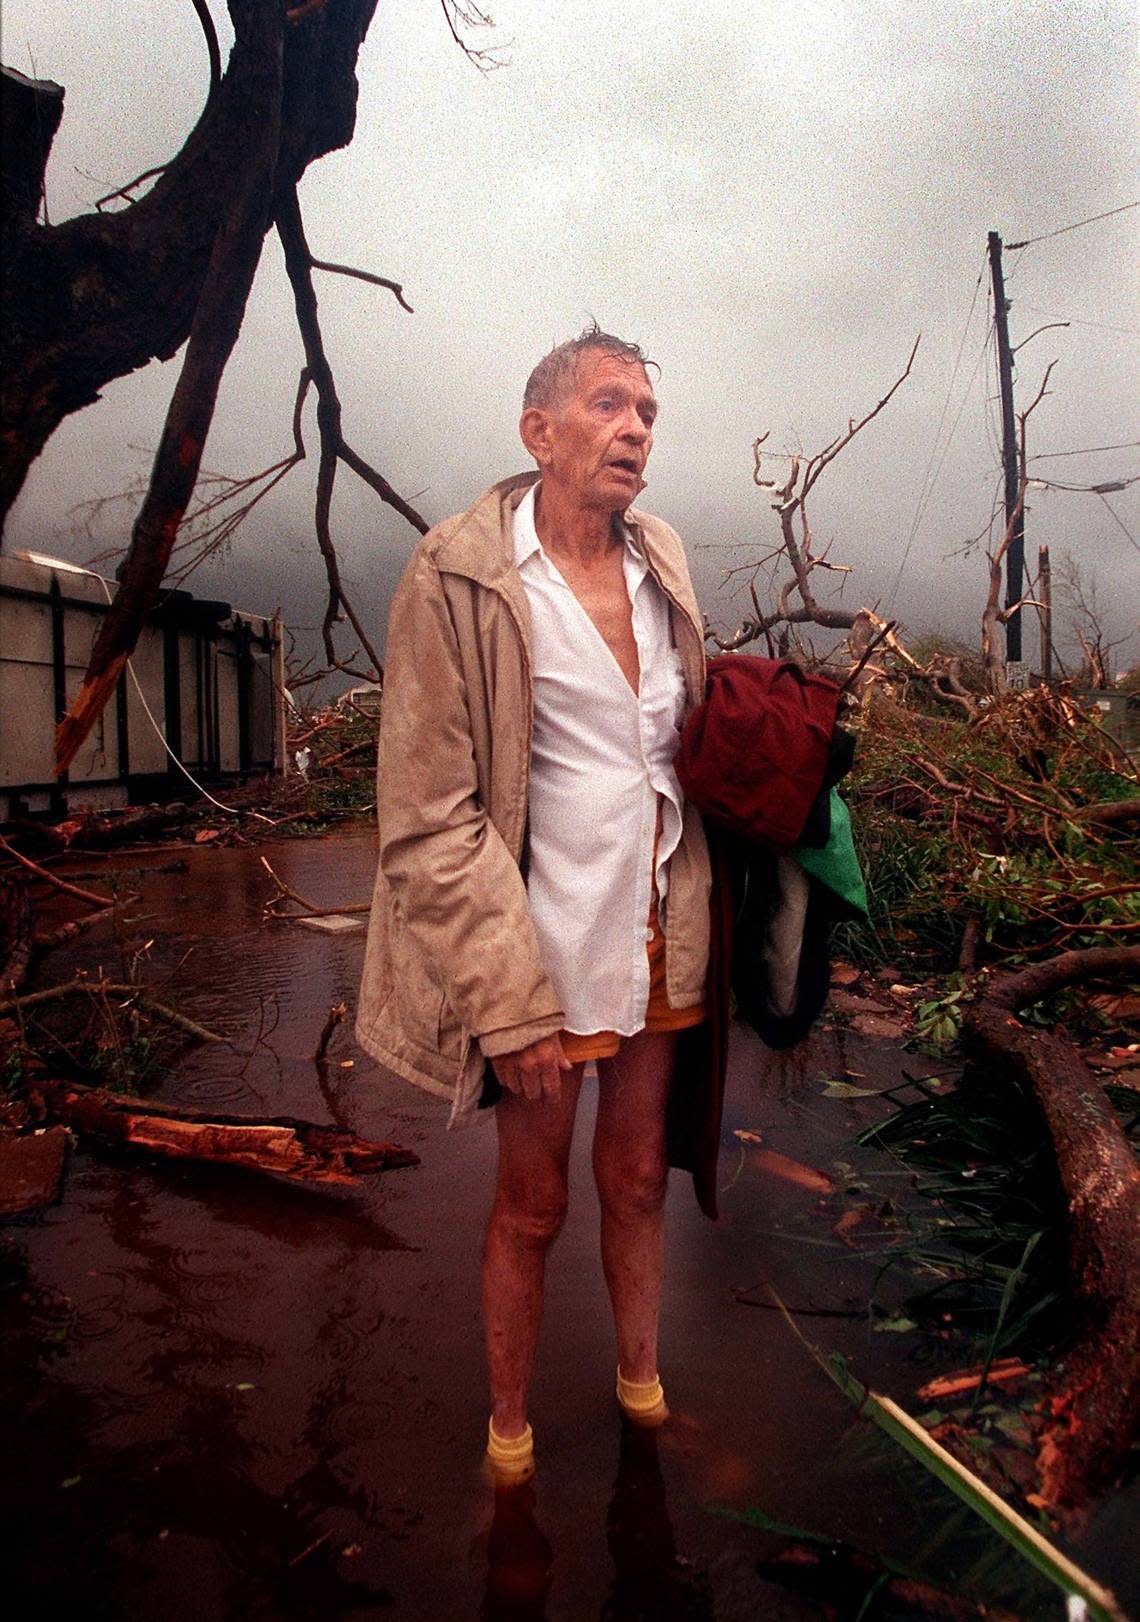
(1045, 593)
(1015, 557)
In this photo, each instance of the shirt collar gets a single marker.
(525, 535)
(527, 543)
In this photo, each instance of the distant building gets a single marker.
(203, 688)
(367, 700)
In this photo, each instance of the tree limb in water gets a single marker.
(280, 1146)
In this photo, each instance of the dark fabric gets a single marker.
(696, 1096)
(754, 755)
(756, 891)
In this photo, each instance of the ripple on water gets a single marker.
(103, 1315)
(212, 1091)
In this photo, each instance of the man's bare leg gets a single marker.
(631, 1170)
(527, 1214)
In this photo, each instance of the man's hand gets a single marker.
(534, 1072)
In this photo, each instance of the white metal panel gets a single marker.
(229, 727)
(25, 631)
(144, 743)
(27, 724)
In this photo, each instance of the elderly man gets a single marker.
(542, 893)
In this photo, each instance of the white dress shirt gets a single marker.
(601, 766)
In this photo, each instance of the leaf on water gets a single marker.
(746, 1136)
(245, 1385)
(898, 1325)
(793, 1171)
(71, 1481)
(844, 1089)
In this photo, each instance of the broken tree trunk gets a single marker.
(1094, 1407)
(299, 1151)
(98, 296)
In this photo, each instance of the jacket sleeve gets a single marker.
(456, 889)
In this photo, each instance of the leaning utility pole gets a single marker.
(1015, 557)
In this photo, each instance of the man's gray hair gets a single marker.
(547, 384)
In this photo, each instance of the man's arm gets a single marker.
(457, 889)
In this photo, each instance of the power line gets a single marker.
(1089, 450)
(1119, 522)
(1108, 488)
(926, 488)
(1078, 321)
(1061, 229)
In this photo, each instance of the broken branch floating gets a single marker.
(89, 896)
(279, 1146)
(80, 987)
(309, 909)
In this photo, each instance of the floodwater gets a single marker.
(232, 1398)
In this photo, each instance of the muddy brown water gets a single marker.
(231, 1398)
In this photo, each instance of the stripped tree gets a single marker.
(873, 650)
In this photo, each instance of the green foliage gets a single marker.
(124, 1064)
(940, 1019)
(12, 1071)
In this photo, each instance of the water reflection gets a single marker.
(520, 1560)
(651, 1582)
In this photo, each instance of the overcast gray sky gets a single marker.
(773, 196)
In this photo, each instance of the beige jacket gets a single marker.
(452, 973)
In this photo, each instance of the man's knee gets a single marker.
(532, 1213)
(632, 1184)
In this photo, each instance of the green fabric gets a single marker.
(836, 864)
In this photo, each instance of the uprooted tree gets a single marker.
(98, 296)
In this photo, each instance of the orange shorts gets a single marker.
(659, 1016)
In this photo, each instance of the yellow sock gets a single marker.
(510, 1457)
(643, 1401)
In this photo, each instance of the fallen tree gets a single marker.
(1093, 1409)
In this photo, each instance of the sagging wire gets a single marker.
(230, 810)
(929, 480)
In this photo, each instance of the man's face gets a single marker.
(596, 441)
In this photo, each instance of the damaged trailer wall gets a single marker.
(212, 678)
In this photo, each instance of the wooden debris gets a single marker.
(337, 1013)
(1002, 1371)
(280, 1146)
(308, 909)
(41, 873)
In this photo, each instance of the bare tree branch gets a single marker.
(366, 276)
(214, 55)
(298, 265)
